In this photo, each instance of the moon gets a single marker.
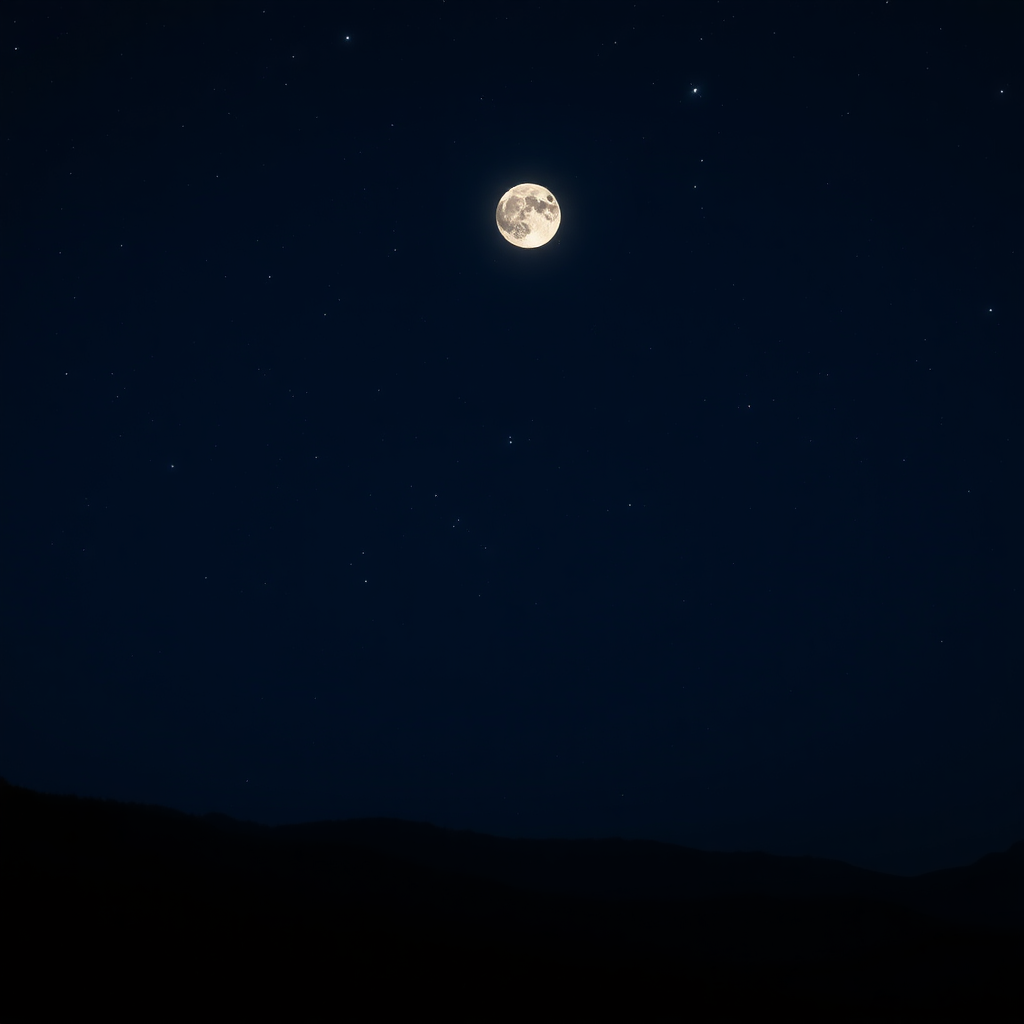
(528, 216)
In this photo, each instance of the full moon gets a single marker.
(528, 216)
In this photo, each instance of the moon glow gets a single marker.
(528, 216)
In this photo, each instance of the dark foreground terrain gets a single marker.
(136, 912)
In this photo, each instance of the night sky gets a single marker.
(701, 523)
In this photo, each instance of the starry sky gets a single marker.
(700, 523)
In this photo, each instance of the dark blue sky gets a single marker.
(700, 523)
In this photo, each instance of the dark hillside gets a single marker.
(124, 903)
(989, 893)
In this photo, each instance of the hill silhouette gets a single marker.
(981, 894)
(110, 904)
